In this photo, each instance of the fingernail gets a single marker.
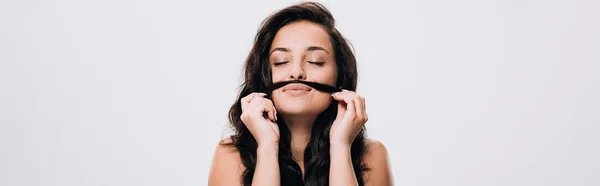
(334, 94)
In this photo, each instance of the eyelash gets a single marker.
(280, 63)
(318, 63)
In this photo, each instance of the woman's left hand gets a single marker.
(351, 116)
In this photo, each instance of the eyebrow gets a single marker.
(313, 48)
(310, 48)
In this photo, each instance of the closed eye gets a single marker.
(280, 63)
(318, 63)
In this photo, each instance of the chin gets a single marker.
(301, 105)
(299, 109)
(295, 110)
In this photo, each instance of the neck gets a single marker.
(300, 131)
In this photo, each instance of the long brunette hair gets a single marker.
(257, 76)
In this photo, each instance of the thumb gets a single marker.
(341, 108)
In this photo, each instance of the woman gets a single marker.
(297, 135)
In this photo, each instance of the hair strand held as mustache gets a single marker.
(318, 86)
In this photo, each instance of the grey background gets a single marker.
(464, 92)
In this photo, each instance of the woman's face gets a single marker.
(302, 50)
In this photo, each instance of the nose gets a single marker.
(297, 72)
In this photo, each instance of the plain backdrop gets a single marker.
(463, 92)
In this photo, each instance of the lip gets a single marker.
(296, 87)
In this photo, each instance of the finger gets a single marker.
(341, 104)
(270, 109)
(275, 113)
(350, 109)
(255, 105)
(255, 100)
(273, 110)
(340, 96)
(341, 109)
(348, 98)
(264, 106)
(364, 103)
(251, 96)
(245, 101)
(360, 112)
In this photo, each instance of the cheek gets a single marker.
(321, 101)
(333, 78)
(330, 76)
(278, 75)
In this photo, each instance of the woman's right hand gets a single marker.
(264, 129)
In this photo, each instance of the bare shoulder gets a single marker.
(374, 149)
(223, 149)
(226, 163)
(376, 159)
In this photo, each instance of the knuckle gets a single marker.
(263, 104)
(255, 99)
(246, 99)
(352, 115)
(251, 95)
(360, 118)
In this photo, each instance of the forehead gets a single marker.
(301, 34)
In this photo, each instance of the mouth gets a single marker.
(296, 89)
(317, 86)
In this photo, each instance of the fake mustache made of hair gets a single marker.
(318, 86)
